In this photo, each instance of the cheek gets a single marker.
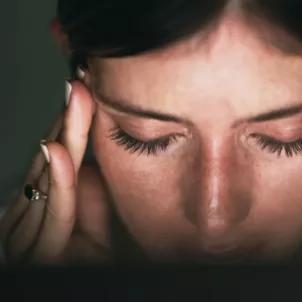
(277, 195)
(145, 180)
(147, 190)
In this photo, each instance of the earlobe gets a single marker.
(60, 37)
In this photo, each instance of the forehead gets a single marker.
(231, 42)
(232, 58)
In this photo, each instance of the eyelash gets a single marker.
(134, 145)
(273, 146)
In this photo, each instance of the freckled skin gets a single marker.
(215, 187)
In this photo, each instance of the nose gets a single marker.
(223, 200)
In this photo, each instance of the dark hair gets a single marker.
(117, 28)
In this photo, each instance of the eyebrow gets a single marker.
(124, 107)
(276, 114)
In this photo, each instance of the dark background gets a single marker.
(32, 87)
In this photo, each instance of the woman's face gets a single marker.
(201, 146)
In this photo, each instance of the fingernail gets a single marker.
(68, 92)
(45, 150)
(80, 73)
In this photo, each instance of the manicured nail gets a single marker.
(68, 92)
(80, 73)
(45, 150)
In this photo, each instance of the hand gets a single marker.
(39, 231)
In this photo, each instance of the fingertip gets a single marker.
(80, 89)
(68, 91)
(80, 73)
(81, 99)
(44, 148)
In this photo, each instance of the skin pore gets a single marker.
(221, 182)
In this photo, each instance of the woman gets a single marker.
(196, 119)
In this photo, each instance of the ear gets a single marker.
(60, 37)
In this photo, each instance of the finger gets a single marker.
(43, 182)
(23, 237)
(27, 230)
(80, 73)
(78, 109)
(40, 166)
(20, 240)
(60, 207)
(17, 209)
(39, 161)
(77, 121)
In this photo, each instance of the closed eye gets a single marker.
(134, 145)
(272, 145)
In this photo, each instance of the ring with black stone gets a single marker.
(33, 194)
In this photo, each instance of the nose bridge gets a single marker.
(222, 202)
